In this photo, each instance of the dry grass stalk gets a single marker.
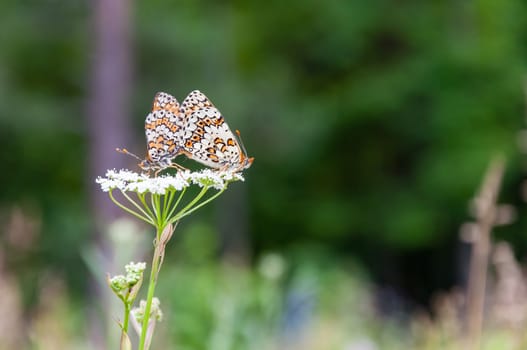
(485, 212)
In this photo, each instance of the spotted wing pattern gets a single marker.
(207, 138)
(193, 102)
(163, 129)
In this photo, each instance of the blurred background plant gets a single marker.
(372, 124)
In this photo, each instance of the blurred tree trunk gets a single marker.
(109, 96)
(108, 122)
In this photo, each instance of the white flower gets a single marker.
(118, 283)
(155, 310)
(125, 180)
(216, 179)
(135, 268)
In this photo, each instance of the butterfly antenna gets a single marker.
(125, 151)
(241, 142)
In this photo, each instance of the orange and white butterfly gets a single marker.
(207, 138)
(163, 131)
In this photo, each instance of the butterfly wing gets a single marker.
(163, 129)
(193, 102)
(208, 140)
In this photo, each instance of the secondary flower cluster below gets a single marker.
(126, 180)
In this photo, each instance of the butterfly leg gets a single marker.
(178, 167)
(180, 151)
(173, 165)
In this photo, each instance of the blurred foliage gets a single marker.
(295, 300)
(371, 122)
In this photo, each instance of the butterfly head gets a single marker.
(245, 162)
(148, 164)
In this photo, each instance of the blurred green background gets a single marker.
(371, 124)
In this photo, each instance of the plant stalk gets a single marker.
(126, 317)
(156, 260)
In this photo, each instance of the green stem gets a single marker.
(151, 288)
(189, 205)
(154, 199)
(177, 203)
(126, 317)
(183, 213)
(130, 211)
(134, 203)
(167, 200)
(143, 201)
(152, 205)
(160, 215)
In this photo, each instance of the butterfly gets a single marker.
(163, 131)
(207, 138)
(195, 129)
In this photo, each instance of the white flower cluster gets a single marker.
(155, 310)
(134, 272)
(126, 180)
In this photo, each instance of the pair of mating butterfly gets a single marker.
(196, 129)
